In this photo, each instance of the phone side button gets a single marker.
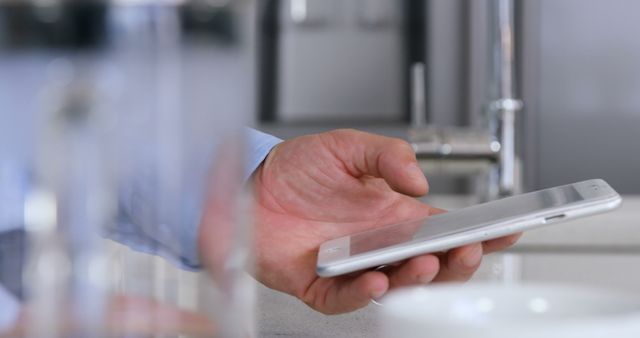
(554, 218)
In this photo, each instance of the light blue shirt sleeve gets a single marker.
(160, 239)
(258, 147)
(9, 310)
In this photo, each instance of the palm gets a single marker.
(309, 191)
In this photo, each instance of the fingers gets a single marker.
(500, 243)
(349, 294)
(353, 292)
(418, 270)
(389, 158)
(459, 264)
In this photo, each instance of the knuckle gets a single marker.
(465, 269)
(313, 303)
(344, 131)
(340, 137)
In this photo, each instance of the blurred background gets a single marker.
(347, 64)
(325, 64)
(497, 97)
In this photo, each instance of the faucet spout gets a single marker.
(503, 111)
(489, 152)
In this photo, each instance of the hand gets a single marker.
(319, 187)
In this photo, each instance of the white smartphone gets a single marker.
(394, 243)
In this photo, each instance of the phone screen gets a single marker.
(464, 219)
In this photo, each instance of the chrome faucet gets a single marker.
(488, 151)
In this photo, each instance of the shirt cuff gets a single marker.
(259, 145)
(159, 241)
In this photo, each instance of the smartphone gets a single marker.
(478, 223)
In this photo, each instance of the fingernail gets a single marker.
(425, 279)
(472, 259)
(414, 171)
(378, 294)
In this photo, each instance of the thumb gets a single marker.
(389, 158)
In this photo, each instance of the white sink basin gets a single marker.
(506, 311)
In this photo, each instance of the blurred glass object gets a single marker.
(124, 120)
(310, 13)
